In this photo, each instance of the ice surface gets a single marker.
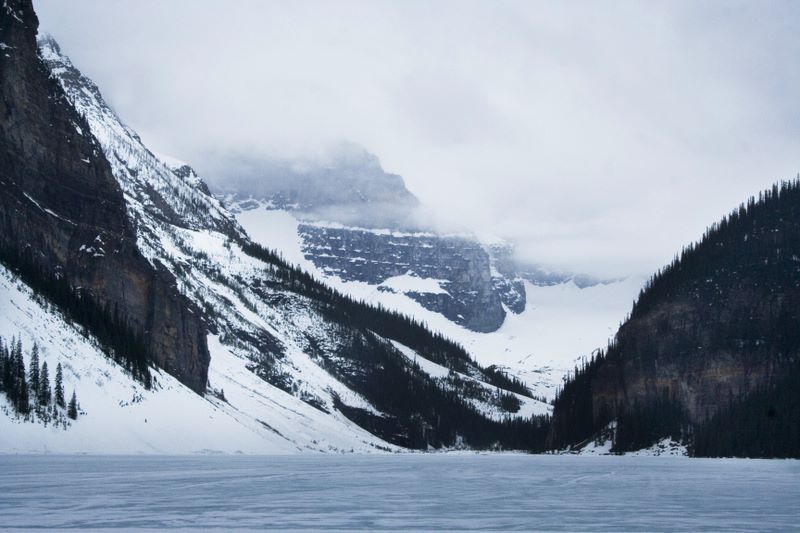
(405, 492)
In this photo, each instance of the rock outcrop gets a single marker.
(460, 267)
(58, 198)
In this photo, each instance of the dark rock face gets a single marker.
(58, 197)
(700, 385)
(506, 280)
(172, 193)
(462, 266)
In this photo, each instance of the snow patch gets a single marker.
(409, 282)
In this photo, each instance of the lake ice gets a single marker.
(400, 492)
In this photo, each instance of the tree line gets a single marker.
(766, 423)
(422, 413)
(104, 322)
(384, 322)
(733, 294)
(29, 392)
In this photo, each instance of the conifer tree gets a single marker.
(10, 373)
(72, 410)
(60, 402)
(19, 363)
(22, 400)
(44, 386)
(33, 374)
(2, 365)
(8, 368)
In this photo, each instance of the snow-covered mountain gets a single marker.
(560, 318)
(473, 284)
(344, 183)
(293, 364)
(119, 415)
(533, 322)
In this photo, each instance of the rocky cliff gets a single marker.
(360, 223)
(458, 281)
(60, 201)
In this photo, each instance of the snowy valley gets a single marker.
(399, 266)
(312, 305)
(561, 322)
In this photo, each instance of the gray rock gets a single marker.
(472, 298)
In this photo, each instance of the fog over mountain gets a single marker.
(601, 137)
(345, 184)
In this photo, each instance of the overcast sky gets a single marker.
(599, 135)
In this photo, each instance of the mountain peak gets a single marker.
(345, 183)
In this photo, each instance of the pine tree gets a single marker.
(22, 402)
(44, 386)
(10, 373)
(33, 374)
(2, 364)
(60, 402)
(16, 355)
(72, 410)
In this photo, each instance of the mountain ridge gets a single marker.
(280, 342)
(710, 333)
(76, 225)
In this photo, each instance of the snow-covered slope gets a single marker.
(120, 416)
(168, 192)
(287, 362)
(563, 319)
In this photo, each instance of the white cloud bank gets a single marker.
(600, 135)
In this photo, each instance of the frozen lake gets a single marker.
(403, 492)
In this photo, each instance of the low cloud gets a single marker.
(599, 136)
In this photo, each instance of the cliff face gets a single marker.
(701, 379)
(58, 198)
(457, 270)
(711, 329)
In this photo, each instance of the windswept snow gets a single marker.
(666, 447)
(172, 163)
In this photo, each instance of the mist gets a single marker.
(598, 136)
